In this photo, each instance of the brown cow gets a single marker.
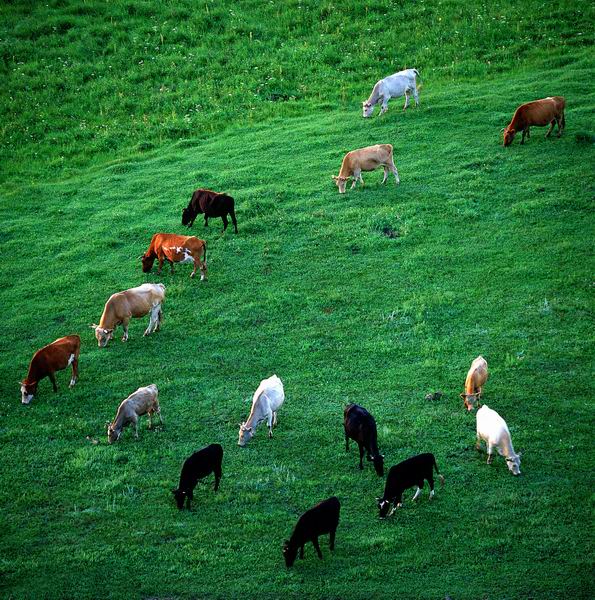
(211, 204)
(539, 113)
(51, 358)
(176, 249)
(476, 377)
(133, 303)
(366, 159)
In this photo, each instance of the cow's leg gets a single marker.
(160, 266)
(431, 482)
(361, 456)
(385, 174)
(384, 106)
(406, 100)
(53, 380)
(332, 539)
(225, 222)
(558, 123)
(206, 221)
(233, 220)
(125, 328)
(274, 418)
(417, 493)
(159, 318)
(393, 170)
(490, 452)
(135, 423)
(552, 123)
(158, 411)
(151, 326)
(75, 371)
(196, 262)
(416, 96)
(270, 423)
(150, 419)
(317, 547)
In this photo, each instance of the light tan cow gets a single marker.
(142, 402)
(366, 159)
(476, 377)
(130, 304)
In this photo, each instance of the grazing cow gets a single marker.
(366, 159)
(176, 249)
(142, 402)
(476, 377)
(211, 204)
(492, 429)
(360, 426)
(394, 86)
(549, 111)
(319, 520)
(406, 474)
(49, 359)
(266, 401)
(199, 465)
(133, 303)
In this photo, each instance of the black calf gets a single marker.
(319, 520)
(360, 426)
(199, 465)
(406, 474)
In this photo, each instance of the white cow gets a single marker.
(393, 86)
(492, 428)
(266, 402)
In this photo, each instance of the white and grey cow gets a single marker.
(266, 401)
(403, 83)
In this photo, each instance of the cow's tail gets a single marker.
(441, 477)
(419, 85)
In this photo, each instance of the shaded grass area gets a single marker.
(491, 254)
(84, 80)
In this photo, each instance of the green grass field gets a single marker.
(112, 114)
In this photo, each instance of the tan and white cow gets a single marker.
(476, 377)
(176, 249)
(366, 159)
(145, 401)
(130, 304)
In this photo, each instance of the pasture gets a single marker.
(377, 296)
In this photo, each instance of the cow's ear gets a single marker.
(334, 177)
(93, 326)
(462, 396)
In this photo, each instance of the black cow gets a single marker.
(199, 465)
(360, 426)
(211, 204)
(319, 520)
(406, 474)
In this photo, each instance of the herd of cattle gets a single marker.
(359, 424)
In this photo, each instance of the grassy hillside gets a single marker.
(377, 297)
(84, 80)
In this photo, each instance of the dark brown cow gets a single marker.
(539, 113)
(211, 204)
(176, 249)
(51, 358)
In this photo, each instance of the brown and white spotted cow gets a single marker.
(176, 249)
(49, 359)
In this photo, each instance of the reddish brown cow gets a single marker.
(539, 113)
(211, 204)
(51, 358)
(176, 249)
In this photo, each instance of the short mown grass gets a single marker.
(378, 296)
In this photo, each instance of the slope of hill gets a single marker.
(377, 296)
